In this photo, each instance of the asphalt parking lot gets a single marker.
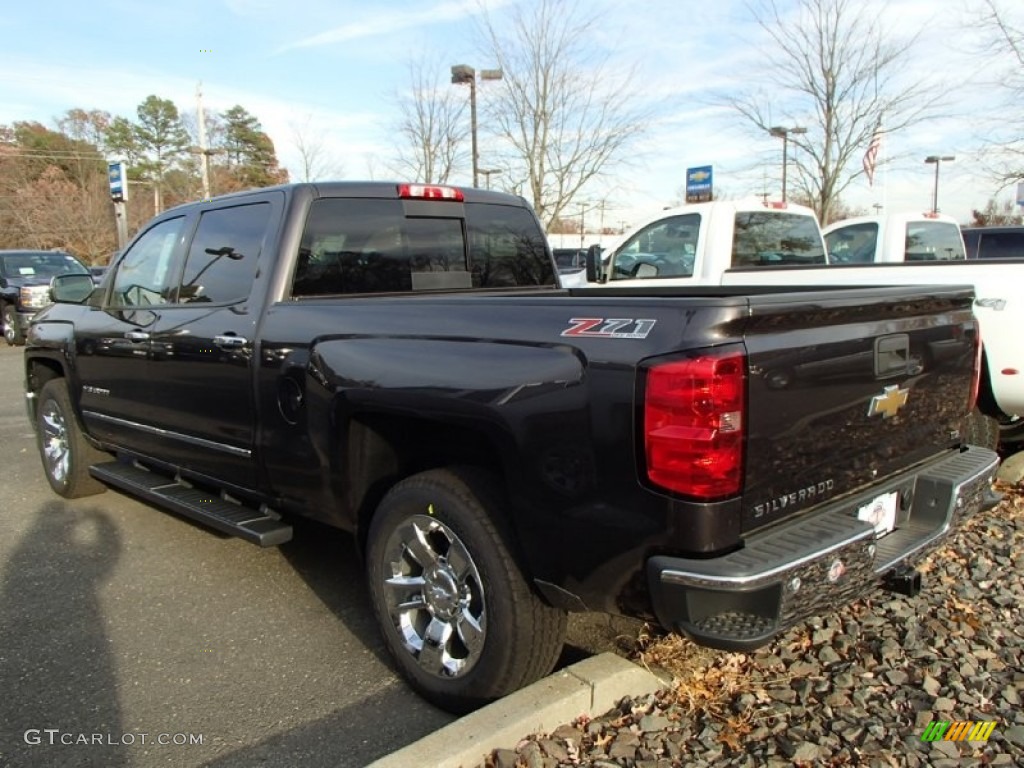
(124, 626)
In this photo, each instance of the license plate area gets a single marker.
(881, 513)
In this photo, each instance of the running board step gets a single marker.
(260, 526)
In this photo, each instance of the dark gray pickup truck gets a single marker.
(399, 361)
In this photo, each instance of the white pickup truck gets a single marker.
(894, 237)
(763, 243)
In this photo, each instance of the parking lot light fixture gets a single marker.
(937, 160)
(463, 74)
(784, 133)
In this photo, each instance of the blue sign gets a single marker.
(118, 177)
(699, 184)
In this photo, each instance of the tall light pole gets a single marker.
(466, 75)
(487, 173)
(784, 133)
(937, 160)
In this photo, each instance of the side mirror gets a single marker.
(594, 264)
(71, 289)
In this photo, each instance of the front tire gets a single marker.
(456, 612)
(65, 452)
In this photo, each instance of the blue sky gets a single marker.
(339, 66)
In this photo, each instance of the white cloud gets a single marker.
(391, 21)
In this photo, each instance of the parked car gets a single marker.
(994, 242)
(24, 286)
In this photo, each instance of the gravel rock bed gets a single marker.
(857, 687)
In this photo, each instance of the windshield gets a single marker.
(666, 248)
(45, 264)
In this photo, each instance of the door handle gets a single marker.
(137, 336)
(225, 341)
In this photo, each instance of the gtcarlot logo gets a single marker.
(54, 736)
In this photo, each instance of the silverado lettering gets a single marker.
(393, 360)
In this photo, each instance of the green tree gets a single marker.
(162, 139)
(249, 151)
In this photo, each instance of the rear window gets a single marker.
(773, 238)
(994, 245)
(934, 241)
(371, 246)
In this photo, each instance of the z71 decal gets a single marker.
(609, 328)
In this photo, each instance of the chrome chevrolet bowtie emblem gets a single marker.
(891, 400)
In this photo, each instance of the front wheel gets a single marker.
(12, 331)
(458, 616)
(65, 452)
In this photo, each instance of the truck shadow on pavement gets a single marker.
(329, 562)
(58, 671)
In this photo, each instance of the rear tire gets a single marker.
(65, 452)
(1011, 430)
(981, 430)
(457, 614)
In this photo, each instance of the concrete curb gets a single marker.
(590, 687)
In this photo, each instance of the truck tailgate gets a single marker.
(858, 387)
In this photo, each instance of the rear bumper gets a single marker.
(818, 563)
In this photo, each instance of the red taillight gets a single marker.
(429, 192)
(694, 424)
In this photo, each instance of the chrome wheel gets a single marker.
(434, 596)
(55, 442)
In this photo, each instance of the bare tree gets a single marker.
(1002, 33)
(831, 68)
(432, 126)
(316, 160)
(565, 116)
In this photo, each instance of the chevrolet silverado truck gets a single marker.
(24, 286)
(397, 360)
(769, 243)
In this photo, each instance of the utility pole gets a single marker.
(582, 230)
(204, 152)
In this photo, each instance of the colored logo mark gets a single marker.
(958, 730)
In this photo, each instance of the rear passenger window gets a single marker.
(222, 260)
(353, 246)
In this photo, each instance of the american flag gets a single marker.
(872, 154)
